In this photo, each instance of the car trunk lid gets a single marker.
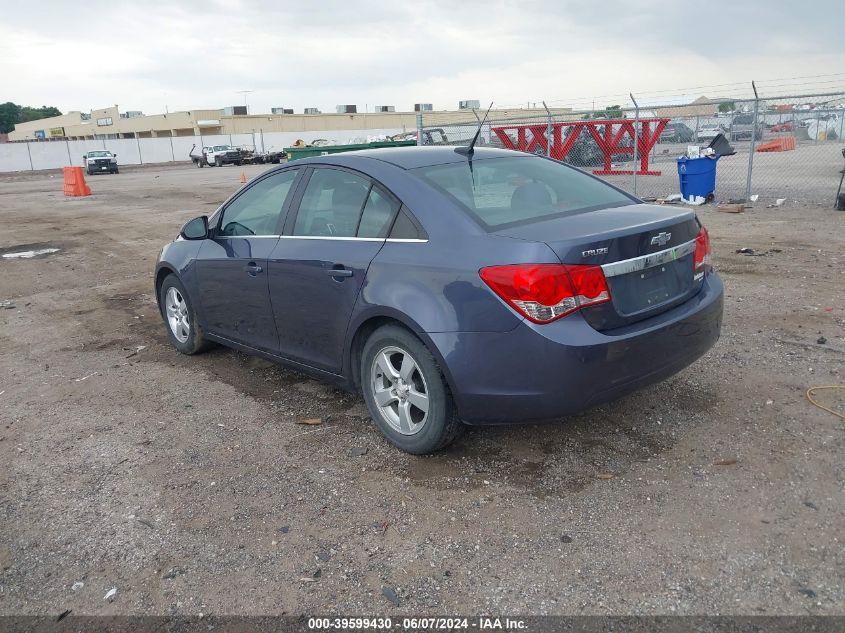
(645, 251)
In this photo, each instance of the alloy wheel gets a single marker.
(399, 390)
(177, 314)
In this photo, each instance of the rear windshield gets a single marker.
(504, 192)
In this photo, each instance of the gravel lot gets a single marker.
(186, 484)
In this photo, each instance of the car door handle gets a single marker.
(339, 272)
(253, 269)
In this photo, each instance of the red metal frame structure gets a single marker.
(530, 138)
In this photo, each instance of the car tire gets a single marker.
(115, 171)
(179, 317)
(218, 162)
(90, 173)
(401, 388)
(198, 164)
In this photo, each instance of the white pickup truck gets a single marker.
(100, 161)
(216, 156)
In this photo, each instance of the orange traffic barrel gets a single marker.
(75, 184)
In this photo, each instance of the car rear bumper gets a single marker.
(547, 371)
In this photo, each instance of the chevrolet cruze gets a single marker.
(449, 287)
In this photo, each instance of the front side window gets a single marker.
(331, 205)
(502, 192)
(256, 211)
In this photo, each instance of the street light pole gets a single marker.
(245, 93)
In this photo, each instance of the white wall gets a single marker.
(156, 150)
(182, 147)
(139, 151)
(127, 149)
(48, 155)
(14, 157)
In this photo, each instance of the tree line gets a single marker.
(11, 114)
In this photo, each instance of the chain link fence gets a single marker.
(787, 148)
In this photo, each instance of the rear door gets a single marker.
(337, 225)
(232, 265)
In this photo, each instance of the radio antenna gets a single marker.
(468, 151)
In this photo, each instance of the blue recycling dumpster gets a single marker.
(697, 176)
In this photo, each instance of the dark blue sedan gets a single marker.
(448, 287)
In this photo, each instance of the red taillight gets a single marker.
(702, 253)
(545, 292)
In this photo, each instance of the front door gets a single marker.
(318, 267)
(232, 265)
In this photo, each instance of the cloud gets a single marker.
(193, 55)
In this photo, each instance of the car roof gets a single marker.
(412, 157)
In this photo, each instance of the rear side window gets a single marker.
(503, 192)
(378, 214)
(407, 228)
(332, 204)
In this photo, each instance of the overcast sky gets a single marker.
(148, 55)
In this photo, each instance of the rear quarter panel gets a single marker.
(434, 287)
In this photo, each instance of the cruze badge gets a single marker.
(594, 251)
(661, 239)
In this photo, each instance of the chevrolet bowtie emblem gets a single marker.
(661, 239)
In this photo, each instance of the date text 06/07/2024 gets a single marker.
(484, 623)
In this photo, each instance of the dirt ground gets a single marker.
(186, 484)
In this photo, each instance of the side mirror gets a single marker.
(196, 229)
(84, 157)
(115, 155)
